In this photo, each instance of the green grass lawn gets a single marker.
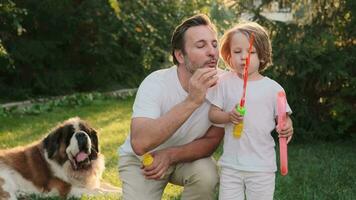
(316, 170)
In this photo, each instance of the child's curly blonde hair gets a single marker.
(261, 42)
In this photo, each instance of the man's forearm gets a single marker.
(199, 148)
(146, 134)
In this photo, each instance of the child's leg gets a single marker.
(260, 185)
(231, 184)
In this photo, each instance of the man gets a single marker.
(170, 120)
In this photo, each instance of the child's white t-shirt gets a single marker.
(254, 150)
(157, 94)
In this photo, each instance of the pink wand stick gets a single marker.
(281, 109)
(245, 76)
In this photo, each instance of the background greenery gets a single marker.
(50, 48)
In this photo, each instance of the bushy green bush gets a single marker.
(59, 47)
(314, 63)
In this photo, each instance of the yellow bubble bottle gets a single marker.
(238, 128)
(147, 159)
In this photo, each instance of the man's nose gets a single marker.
(212, 51)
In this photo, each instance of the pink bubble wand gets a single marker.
(282, 116)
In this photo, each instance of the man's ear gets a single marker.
(179, 56)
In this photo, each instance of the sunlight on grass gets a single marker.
(111, 118)
(316, 171)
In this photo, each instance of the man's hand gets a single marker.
(199, 148)
(202, 79)
(160, 165)
(287, 130)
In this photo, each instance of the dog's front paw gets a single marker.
(110, 188)
(80, 191)
(105, 189)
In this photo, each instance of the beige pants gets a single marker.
(199, 179)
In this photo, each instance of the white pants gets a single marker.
(236, 184)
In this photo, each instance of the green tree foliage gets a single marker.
(319, 70)
(11, 18)
(57, 47)
(151, 23)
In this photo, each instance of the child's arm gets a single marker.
(218, 116)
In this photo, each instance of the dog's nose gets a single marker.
(82, 139)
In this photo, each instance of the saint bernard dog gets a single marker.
(66, 163)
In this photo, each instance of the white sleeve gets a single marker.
(288, 109)
(147, 102)
(215, 95)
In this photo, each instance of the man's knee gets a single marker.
(201, 180)
(205, 175)
(207, 180)
(134, 185)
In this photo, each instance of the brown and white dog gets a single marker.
(66, 163)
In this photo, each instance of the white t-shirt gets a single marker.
(157, 94)
(254, 150)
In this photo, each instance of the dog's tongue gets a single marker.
(81, 156)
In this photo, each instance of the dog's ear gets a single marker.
(95, 144)
(52, 141)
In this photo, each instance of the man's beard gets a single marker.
(189, 66)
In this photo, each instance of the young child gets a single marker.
(248, 163)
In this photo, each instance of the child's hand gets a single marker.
(235, 117)
(287, 130)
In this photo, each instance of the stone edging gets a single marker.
(21, 104)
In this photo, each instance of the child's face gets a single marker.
(239, 51)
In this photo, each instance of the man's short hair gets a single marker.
(177, 40)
